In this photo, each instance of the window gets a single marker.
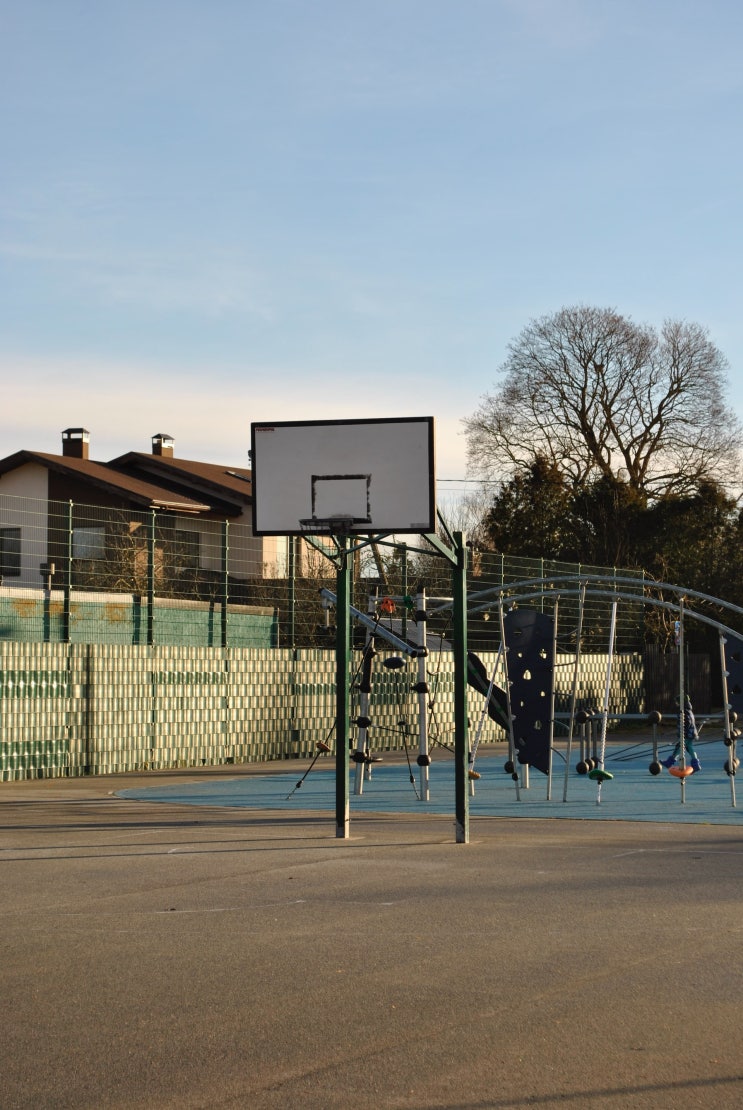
(187, 549)
(89, 543)
(10, 552)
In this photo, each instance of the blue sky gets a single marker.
(220, 211)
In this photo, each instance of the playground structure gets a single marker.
(520, 692)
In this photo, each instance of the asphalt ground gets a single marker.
(224, 957)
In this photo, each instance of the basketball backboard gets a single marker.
(343, 477)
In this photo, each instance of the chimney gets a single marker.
(75, 443)
(163, 444)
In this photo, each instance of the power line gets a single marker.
(468, 481)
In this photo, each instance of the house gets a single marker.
(111, 521)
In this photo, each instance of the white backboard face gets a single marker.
(343, 476)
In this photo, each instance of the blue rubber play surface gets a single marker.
(633, 794)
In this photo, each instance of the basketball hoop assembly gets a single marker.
(343, 477)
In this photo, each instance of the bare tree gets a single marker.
(597, 395)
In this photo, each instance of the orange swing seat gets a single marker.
(681, 772)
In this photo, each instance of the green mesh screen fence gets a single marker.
(77, 709)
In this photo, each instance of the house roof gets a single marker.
(105, 476)
(227, 488)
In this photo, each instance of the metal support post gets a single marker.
(728, 725)
(342, 657)
(461, 743)
(421, 688)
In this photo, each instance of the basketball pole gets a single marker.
(342, 658)
(459, 644)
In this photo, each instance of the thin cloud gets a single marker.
(210, 285)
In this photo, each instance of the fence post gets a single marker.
(67, 579)
(404, 586)
(151, 580)
(225, 580)
(293, 542)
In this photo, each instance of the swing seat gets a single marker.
(473, 774)
(681, 772)
(598, 774)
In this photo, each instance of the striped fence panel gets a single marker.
(76, 709)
